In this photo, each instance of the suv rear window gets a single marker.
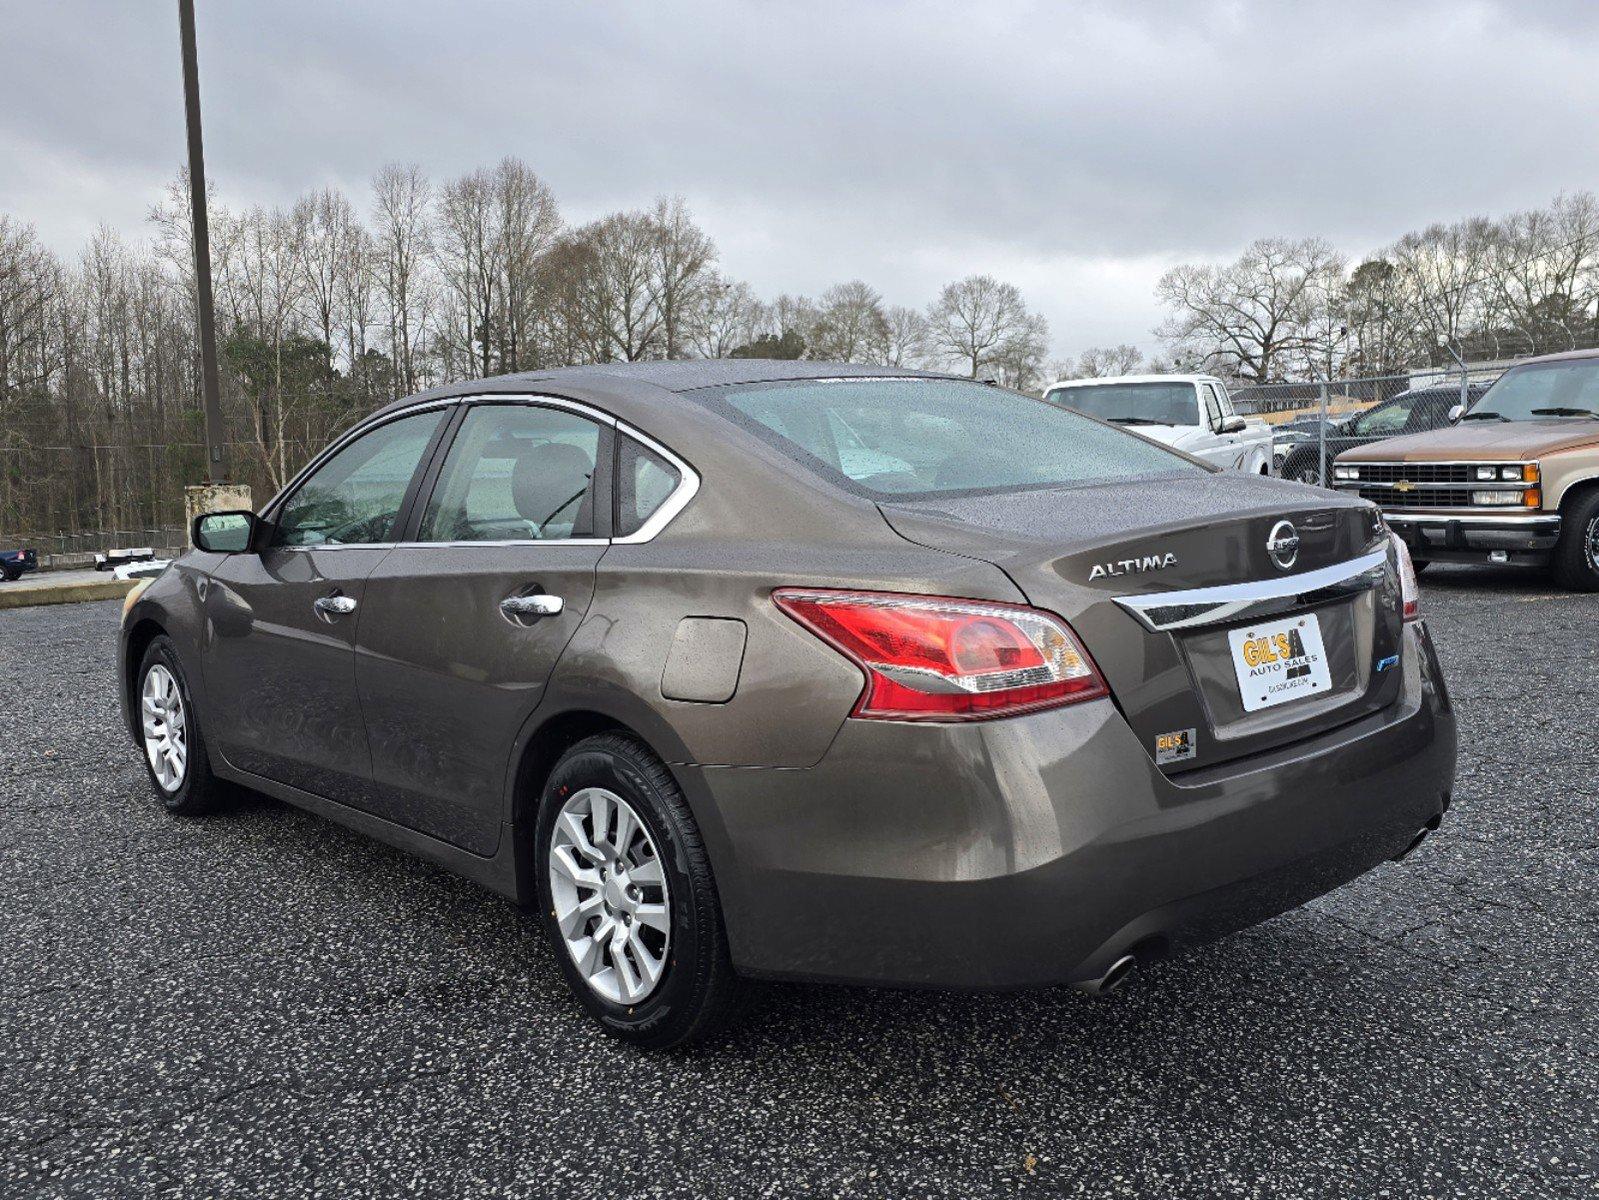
(918, 438)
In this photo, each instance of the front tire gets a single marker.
(1576, 561)
(174, 749)
(628, 900)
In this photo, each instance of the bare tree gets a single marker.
(726, 317)
(325, 226)
(469, 250)
(528, 223)
(979, 321)
(1255, 313)
(1444, 270)
(684, 258)
(1542, 267)
(850, 324)
(902, 339)
(1098, 362)
(402, 198)
(608, 272)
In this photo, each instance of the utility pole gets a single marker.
(216, 465)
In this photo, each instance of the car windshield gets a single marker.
(1542, 392)
(918, 438)
(1132, 403)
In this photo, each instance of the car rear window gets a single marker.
(918, 438)
(1156, 403)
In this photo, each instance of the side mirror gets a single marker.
(225, 532)
(1455, 413)
(1233, 425)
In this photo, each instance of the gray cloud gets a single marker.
(1077, 149)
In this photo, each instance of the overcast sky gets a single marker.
(1074, 149)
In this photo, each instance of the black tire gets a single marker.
(1301, 468)
(199, 791)
(1576, 560)
(10, 573)
(698, 991)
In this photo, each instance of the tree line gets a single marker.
(1483, 289)
(329, 307)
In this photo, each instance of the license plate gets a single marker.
(1279, 661)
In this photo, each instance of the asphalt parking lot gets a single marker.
(261, 1004)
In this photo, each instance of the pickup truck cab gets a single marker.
(1515, 480)
(1191, 413)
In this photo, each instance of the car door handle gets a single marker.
(334, 606)
(540, 605)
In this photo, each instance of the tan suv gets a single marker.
(1514, 480)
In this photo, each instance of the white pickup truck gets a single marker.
(1192, 413)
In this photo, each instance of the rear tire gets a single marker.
(10, 573)
(1301, 468)
(173, 747)
(1576, 560)
(593, 787)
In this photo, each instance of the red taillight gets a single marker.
(1409, 587)
(929, 658)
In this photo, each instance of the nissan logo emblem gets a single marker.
(1283, 545)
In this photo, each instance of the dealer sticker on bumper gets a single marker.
(1279, 661)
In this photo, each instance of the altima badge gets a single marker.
(1132, 566)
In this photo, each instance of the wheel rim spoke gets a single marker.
(164, 725)
(648, 873)
(610, 897)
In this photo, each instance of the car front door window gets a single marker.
(355, 497)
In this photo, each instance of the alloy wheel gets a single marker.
(166, 739)
(1590, 544)
(610, 895)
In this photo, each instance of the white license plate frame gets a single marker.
(1279, 661)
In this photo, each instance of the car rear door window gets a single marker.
(644, 481)
(355, 497)
(516, 473)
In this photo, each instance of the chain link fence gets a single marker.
(1315, 421)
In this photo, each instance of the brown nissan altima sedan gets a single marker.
(738, 669)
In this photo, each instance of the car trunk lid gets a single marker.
(1168, 580)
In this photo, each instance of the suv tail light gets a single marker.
(1409, 589)
(931, 658)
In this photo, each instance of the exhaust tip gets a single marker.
(1111, 979)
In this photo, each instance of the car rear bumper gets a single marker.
(1040, 849)
(1474, 537)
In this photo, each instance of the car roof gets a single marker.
(1104, 379)
(610, 384)
(1562, 356)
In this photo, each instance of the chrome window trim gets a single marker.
(1163, 612)
(688, 478)
(688, 485)
(343, 440)
(500, 544)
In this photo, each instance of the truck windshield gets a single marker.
(1542, 392)
(1132, 403)
(918, 438)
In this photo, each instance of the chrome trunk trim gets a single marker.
(1163, 612)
